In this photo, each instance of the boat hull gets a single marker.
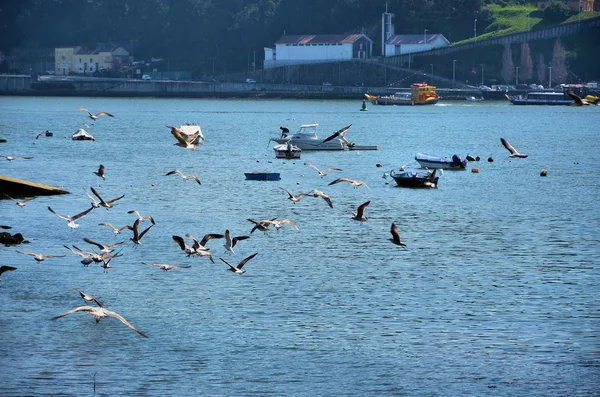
(437, 162)
(262, 176)
(414, 179)
(383, 100)
(287, 152)
(313, 144)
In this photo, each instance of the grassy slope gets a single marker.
(513, 19)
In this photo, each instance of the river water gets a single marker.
(496, 293)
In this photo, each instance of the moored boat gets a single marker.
(188, 130)
(416, 179)
(287, 151)
(439, 162)
(420, 94)
(306, 138)
(262, 176)
(82, 135)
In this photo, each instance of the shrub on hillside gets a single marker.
(558, 11)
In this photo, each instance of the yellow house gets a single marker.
(79, 60)
(586, 5)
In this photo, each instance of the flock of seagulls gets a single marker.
(104, 253)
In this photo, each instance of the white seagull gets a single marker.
(324, 172)
(354, 182)
(231, 242)
(114, 229)
(99, 313)
(73, 218)
(107, 203)
(40, 257)
(358, 215)
(95, 116)
(136, 235)
(238, 269)
(86, 297)
(512, 150)
(292, 198)
(166, 267)
(184, 177)
(140, 217)
(20, 203)
(318, 193)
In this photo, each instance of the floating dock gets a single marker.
(19, 187)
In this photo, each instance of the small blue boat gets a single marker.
(438, 162)
(262, 176)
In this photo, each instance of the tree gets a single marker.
(559, 62)
(541, 70)
(508, 67)
(526, 67)
(557, 11)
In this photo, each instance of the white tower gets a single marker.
(387, 28)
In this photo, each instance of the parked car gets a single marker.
(250, 81)
(146, 77)
(484, 88)
(327, 83)
(536, 87)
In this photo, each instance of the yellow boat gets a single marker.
(420, 94)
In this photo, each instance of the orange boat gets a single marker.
(420, 94)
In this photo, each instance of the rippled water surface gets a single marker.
(497, 292)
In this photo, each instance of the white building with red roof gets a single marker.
(301, 49)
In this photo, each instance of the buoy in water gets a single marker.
(364, 106)
(544, 172)
(475, 170)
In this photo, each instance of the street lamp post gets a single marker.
(425, 37)
(549, 76)
(431, 64)
(517, 74)
(453, 72)
(482, 74)
(475, 28)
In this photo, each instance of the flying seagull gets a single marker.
(292, 198)
(186, 142)
(354, 182)
(396, 236)
(318, 193)
(20, 203)
(324, 172)
(11, 158)
(184, 177)
(104, 248)
(278, 224)
(238, 269)
(337, 133)
(136, 235)
(358, 215)
(86, 297)
(512, 150)
(577, 100)
(197, 249)
(6, 269)
(262, 225)
(114, 229)
(140, 217)
(100, 171)
(95, 116)
(99, 313)
(107, 203)
(166, 267)
(231, 242)
(73, 218)
(40, 257)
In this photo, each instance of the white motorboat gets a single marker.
(306, 138)
(189, 130)
(287, 151)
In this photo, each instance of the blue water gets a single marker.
(497, 292)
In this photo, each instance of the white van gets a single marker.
(146, 77)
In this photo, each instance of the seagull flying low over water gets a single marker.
(358, 215)
(107, 203)
(396, 236)
(324, 172)
(114, 229)
(104, 248)
(354, 182)
(278, 224)
(5, 268)
(73, 218)
(184, 141)
(262, 225)
(136, 235)
(166, 267)
(100, 172)
(11, 158)
(95, 116)
(318, 193)
(197, 249)
(238, 269)
(140, 217)
(20, 203)
(86, 297)
(40, 257)
(184, 177)
(99, 313)
(512, 150)
(231, 242)
(292, 198)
